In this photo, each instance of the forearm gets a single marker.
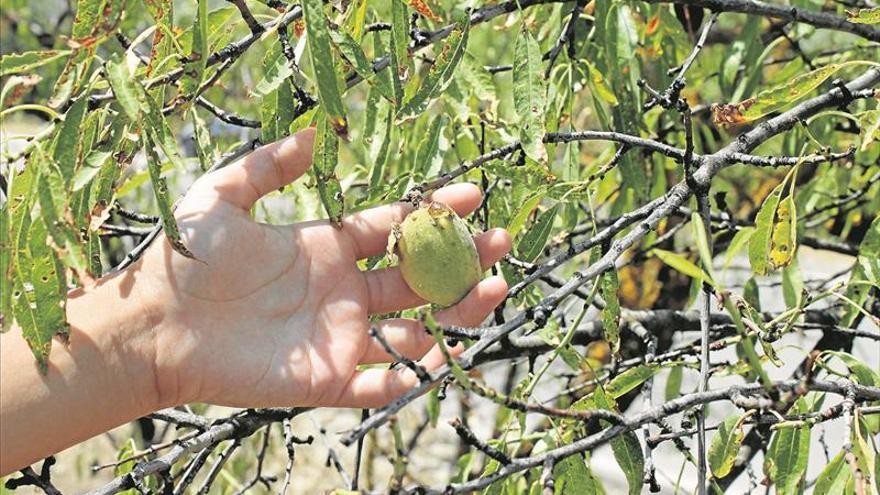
(104, 377)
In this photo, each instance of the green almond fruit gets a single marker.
(437, 255)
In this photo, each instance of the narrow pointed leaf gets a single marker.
(609, 286)
(163, 200)
(532, 243)
(197, 60)
(529, 94)
(439, 75)
(759, 243)
(322, 62)
(16, 63)
(324, 159)
(351, 50)
(725, 445)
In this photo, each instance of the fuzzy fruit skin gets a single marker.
(438, 258)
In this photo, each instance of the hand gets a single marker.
(279, 315)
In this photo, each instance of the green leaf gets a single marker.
(322, 62)
(609, 285)
(792, 284)
(382, 151)
(532, 243)
(276, 70)
(439, 75)
(143, 110)
(789, 457)
(40, 311)
(725, 445)
(16, 63)
(573, 477)
(472, 74)
(202, 141)
(160, 190)
(324, 159)
(739, 241)
(869, 124)
(428, 149)
(91, 167)
(867, 270)
(197, 60)
(162, 12)
(15, 216)
(529, 94)
(125, 91)
(759, 243)
(516, 224)
(54, 209)
(860, 372)
(865, 16)
(351, 50)
(68, 146)
(835, 477)
(630, 379)
(673, 383)
(781, 96)
(683, 265)
(626, 447)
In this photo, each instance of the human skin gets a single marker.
(265, 315)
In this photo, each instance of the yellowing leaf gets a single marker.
(784, 240)
(869, 123)
(600, 86)
(759, 242)
(864, 16)
(776, 98)
(725, 445)
(683, 265)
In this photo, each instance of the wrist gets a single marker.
(121, 316)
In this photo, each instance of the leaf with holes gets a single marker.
(783, 241)
(781, 96)
(351, 50)
(864, 16)
(439, 75)
(324, 160)
(529, 94)
(609, 285)
(322, 64)
(197, 60)
(40, 308)
(16, 63)
(160, 190)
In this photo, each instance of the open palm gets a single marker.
(279, 315)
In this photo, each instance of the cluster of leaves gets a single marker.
(405, 92)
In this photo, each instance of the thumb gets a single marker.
(266, 169)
